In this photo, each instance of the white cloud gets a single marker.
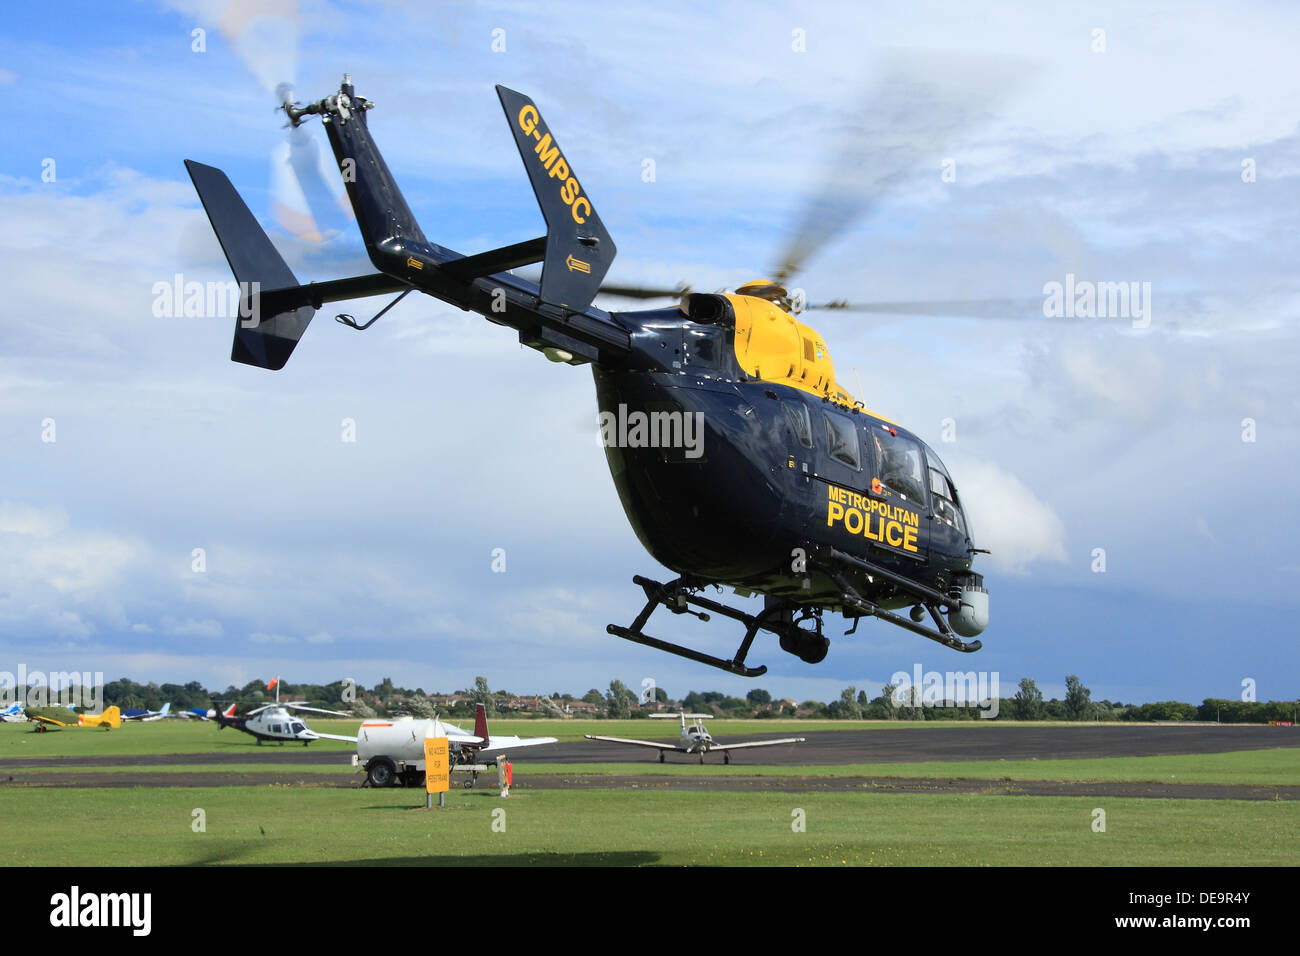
(1008, 519)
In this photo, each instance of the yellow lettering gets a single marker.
(546, 151)
(867, 530)
(560, 170)
(909, 540)
(849, 521)
(528, 118)
(570, 191)
(581, 201)
(890, 528)
(834, 512)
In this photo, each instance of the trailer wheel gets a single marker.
(380, 772)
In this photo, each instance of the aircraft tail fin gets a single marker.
(480, 722)
(579, 250)
(265, 341)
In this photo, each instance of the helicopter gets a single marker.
(275, 722)
(695, 739)
(739, 459)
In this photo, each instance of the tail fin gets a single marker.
(480, 722)
(579, 250)
(112, 717)
(166, 709)
(229, 711)
(263, 341)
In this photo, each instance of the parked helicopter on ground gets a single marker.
(696, 739)
(275, 722)
(788, 488)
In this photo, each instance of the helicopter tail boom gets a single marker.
(555, 318)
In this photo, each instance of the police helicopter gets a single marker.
(276, 722)
(740, 460)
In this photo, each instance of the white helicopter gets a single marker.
(696, 739)
(275, 722)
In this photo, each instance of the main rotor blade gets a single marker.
(645, 292)
(920, 107)
(960, 308)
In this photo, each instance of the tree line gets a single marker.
(620, 701)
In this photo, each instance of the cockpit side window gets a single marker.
(944, 496)
(842, 436)
(900, 466)
(797, 413)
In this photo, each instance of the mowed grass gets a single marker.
(196, 736)
(1279, 767)
(158, 737)
(303, 825)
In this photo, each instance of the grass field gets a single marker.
(196, 736)
(1279, 767)
(290, 825)
(310, 824)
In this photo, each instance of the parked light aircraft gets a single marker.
(204, 713)
(147, 716)
(110, 719)
(695, 739)
(13, 714)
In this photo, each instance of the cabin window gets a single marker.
(900, 465)
(842, 438)
(702, 348)
(944, 496)
(797, 413)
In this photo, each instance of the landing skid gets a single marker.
(677, 597)
(857, 607)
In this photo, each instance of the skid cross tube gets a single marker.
(674, 596)
(864, 608)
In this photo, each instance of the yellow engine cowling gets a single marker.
(772, 345)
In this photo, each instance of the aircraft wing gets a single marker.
(639, 743)
(37, 718)
(318, 735)
(758, 743)
(510, 743)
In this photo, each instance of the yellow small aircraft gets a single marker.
(110, 719)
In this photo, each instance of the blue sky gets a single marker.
(328, 559)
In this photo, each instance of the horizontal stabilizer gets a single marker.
(579, 250)
(264, 340)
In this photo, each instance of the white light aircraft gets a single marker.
(695, 739)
